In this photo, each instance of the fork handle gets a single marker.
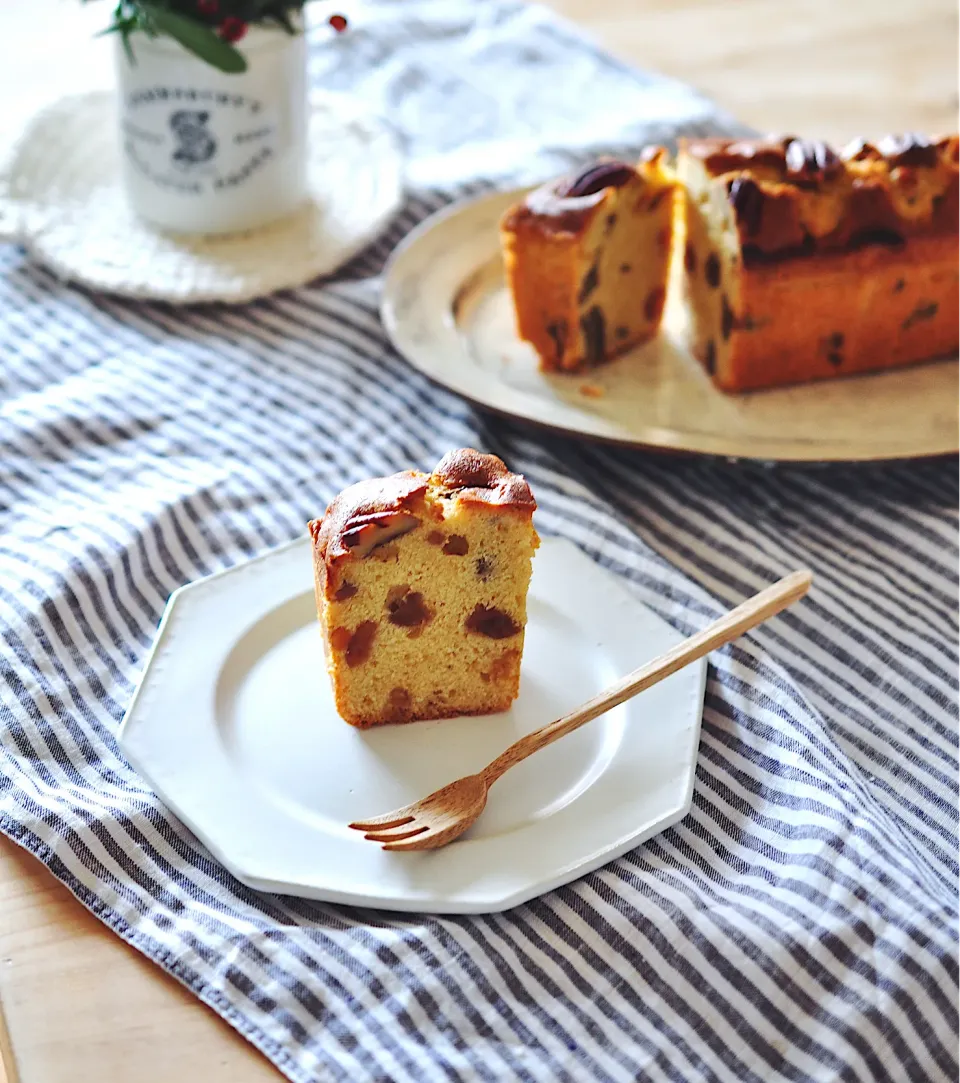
(733, 624)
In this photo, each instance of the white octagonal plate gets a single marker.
(234, 726)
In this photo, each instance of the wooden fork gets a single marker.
(438, 819)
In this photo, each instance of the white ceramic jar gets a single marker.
(207, 152)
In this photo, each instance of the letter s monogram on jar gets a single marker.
(204, 151)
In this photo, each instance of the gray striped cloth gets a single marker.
(800, 923)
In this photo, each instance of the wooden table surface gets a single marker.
(78, 1005)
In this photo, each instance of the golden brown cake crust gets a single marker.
(364, 512)
(793, 196)
(567, 204)
(842, 313)
(373, 512)
(484, 479)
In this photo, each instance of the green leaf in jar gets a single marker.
(196, 38)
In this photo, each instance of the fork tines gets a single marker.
(384, 828)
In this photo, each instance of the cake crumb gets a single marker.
(592, 391)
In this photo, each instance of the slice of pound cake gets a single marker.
(804, 264)
(586, 261)
(421, 584)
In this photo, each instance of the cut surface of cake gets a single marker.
(803, 264)
(586, 259)
(421, 586)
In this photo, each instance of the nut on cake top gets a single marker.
(790, 194)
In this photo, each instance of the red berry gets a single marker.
(232, 29)
(338, 22)
(208, 7)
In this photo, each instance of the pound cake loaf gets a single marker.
(803, 264)
(586, 260)
(421, 584)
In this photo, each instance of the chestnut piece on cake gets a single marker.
(586, 260)
(804, 264)
(421, 584)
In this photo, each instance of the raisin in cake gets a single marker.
(586, 260)
(421, 584)
(801, 264)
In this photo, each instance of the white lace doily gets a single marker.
(60, 197)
